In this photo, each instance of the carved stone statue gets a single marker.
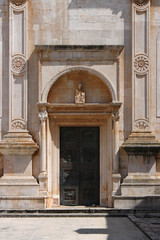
(80, 94)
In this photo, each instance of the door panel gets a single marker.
(79, 154)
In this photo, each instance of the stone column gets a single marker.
(116, 175)
(43, 116)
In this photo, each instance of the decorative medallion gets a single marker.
(18, 64)
(141, 63)
(18, 125)
(142, 125)
(141, 3)
(80, 94)
(18, 3)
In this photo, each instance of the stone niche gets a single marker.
(63, 90)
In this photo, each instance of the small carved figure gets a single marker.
(80, 94)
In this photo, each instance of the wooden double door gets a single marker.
(79, 165)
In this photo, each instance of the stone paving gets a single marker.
(149, 224)
(79, 228)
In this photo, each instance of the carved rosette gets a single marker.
(18, 124)
(43, 116)
(18, 64)
(141, 3)
(141, 63)
(141, 125)
(18, 3)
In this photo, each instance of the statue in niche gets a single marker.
(80, 94)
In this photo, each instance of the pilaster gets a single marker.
(18, 82)
(17, 145)
(141, 146)
(140, 65)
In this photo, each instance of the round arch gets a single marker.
(90, 70)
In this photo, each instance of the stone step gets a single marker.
(73, 212)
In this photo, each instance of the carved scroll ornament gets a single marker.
(141, 63)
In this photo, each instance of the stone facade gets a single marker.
(111, 51)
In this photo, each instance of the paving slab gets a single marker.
(90, 228)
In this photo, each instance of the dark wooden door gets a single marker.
(79, 164)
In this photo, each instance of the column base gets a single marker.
(116, 177)
(22, 202)
(141, 188)
(43, 179)
(18, 188)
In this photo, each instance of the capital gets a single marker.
(115, 117)
(43, 116)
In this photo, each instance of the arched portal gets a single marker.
(79, 143)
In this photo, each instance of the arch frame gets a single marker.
(48, 86)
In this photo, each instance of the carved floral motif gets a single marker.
(18, 125)
(141, 63)
(141, 3)
(43, 115)
(18, 3)
(142, 125)
(18, 64)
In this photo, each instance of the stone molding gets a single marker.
(18, 143)
(141, 143)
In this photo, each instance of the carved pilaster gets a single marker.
(140, 65)
(18, 79)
